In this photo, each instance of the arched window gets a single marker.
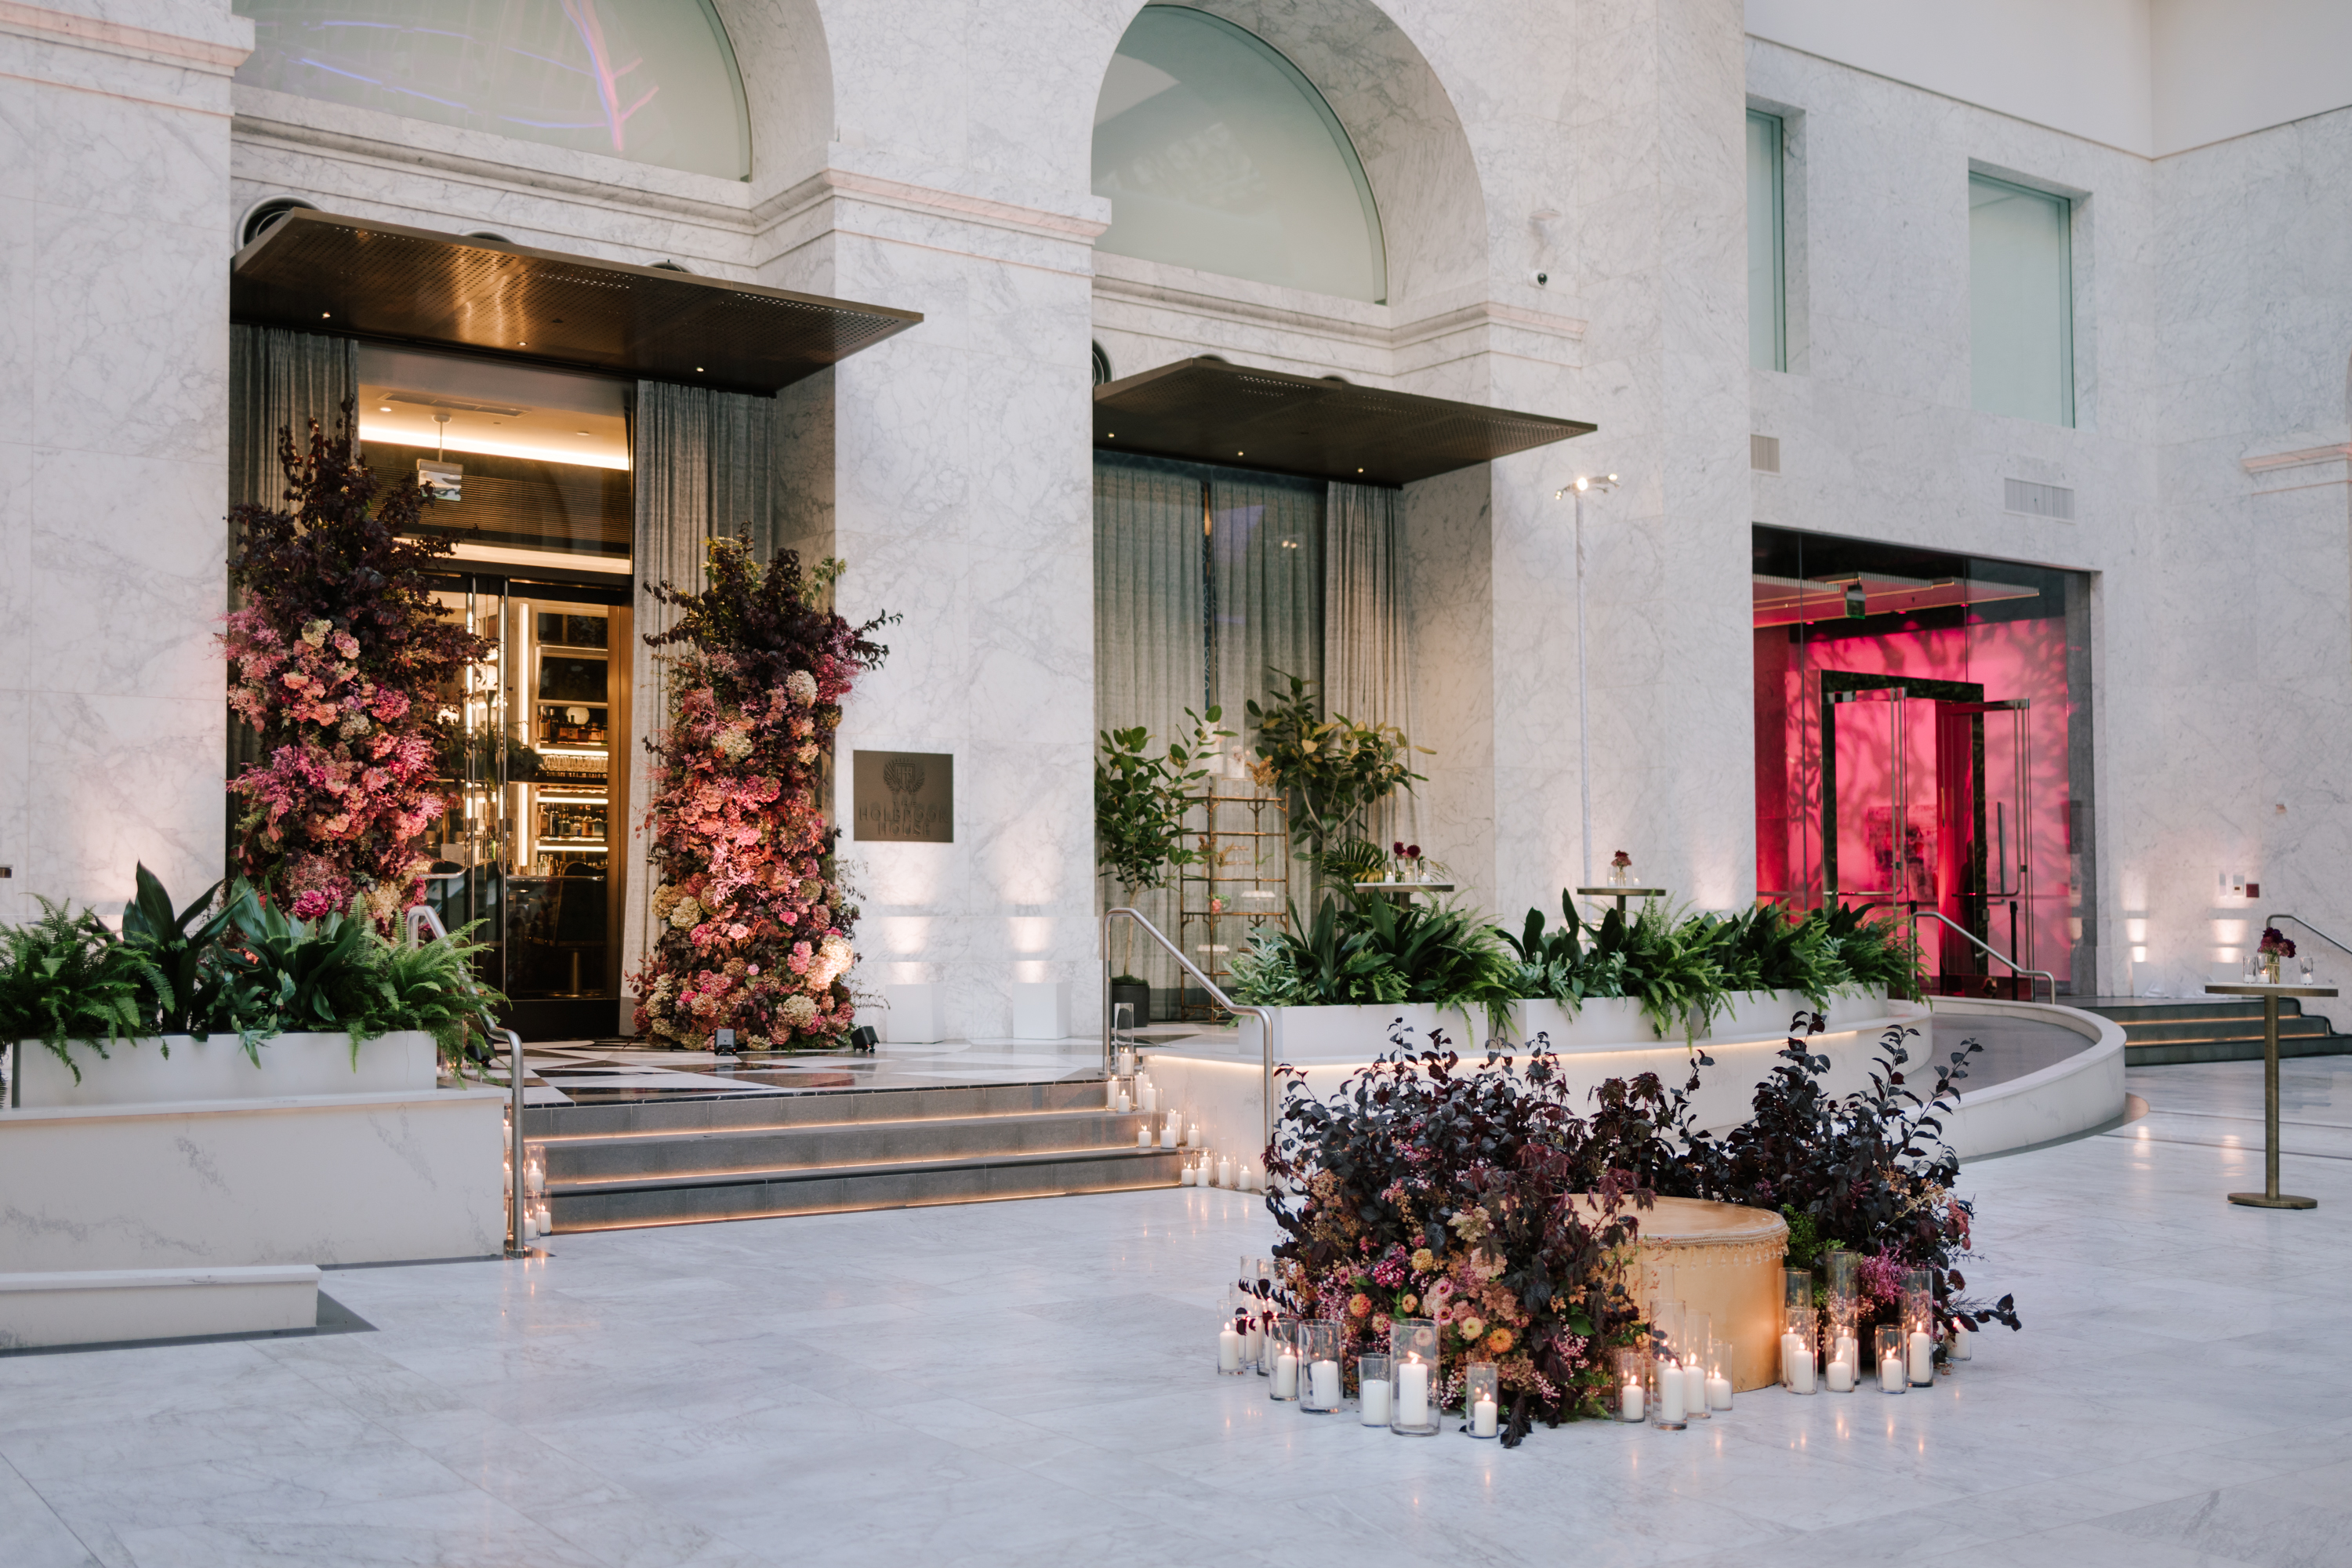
(1217, 154)
(650, 80)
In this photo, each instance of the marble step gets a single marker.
(882, 1184)
(665, 1155)
(2197, 1030)
(2249, 1048)
(809, 1108)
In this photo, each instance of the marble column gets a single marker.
(114, 243)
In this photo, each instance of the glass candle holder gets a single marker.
(1841, 1368)
(1320, 1384)
(1919, 1326)
(1629, 1386)
(1799, 1371)
(1482, 1399)
(1412, 1369)
(1841, 1283)
(1664, 1386)
(1722, 1372)
(1894, 1374)
(1233, 1335)
(1282, 1360)
(1696, 1336)
(1373, 1390)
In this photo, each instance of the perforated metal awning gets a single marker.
(1207, 411)
(320, 272)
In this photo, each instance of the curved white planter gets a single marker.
(139, 1073)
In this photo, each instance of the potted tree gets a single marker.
(1330, 773)
(1140, 799)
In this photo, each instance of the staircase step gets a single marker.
(571, 1161)
(2234, 1050)
(908, 1184)
(809, 1108)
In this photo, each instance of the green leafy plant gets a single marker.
(65, 979)
(1139, 800)
(1366, 949)
(1330, 771)
(1875, 952)
(184, 958)
(325, 974)
(433, 986)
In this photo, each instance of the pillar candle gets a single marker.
(1229, 1351)
(1376, 1402)
(1846, 1351)
(1194, 1137)
(1796, 1363)
(1143, 1137)
(1323, 1381)
(1718, 1392)
(1286, 1375)
(1122, 1102)
(1224, 1170)
(1670, 1389)
(1150, 1095)
(1923, 1358)
(1412, 1394)
(1482, 1418)
(1110, 1094)
(1840, 1377)
(1168, 1134)
(1963, 1345)
(1246, 1178)
(1629, 1403)
(1890, 1374)
(1694, 1386)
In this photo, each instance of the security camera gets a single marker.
(1540, 280)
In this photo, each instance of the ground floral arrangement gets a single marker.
(1476, 1197)
(753, 919)
(334, 660)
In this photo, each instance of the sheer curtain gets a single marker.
(277, 380)
(1265, 580)
(1367, 646)
(703, 462)
(1151, 639)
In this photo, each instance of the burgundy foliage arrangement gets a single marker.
(335, 660)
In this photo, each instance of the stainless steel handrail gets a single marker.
(2298, 920)
(422, 915)
(2014, 966)
(1265, 1016)
(516, 1195)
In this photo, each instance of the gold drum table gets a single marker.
(1725, 1261)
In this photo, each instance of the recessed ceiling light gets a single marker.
(579, 432)
(383, 408)
(697, 370)
(326, 315)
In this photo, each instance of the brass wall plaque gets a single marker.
(904, 797)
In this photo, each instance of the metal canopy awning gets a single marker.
(319, 272)
(1207, 411)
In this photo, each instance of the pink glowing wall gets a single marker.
(2010, 659)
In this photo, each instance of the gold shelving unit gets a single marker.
(1241, 882)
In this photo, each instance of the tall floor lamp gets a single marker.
(1576, 490)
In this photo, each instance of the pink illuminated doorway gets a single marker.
(1922, 742)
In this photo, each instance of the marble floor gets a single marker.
(1029, 1383)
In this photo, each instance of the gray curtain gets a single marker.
(1265, 582)
(1367, 645)
(277, 380)
(703, 466)
(1151, 639)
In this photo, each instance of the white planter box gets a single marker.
(916, 1015)
(1041, 1009)
(139, 1073)
(102, 1307)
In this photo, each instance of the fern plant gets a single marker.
(65, 979)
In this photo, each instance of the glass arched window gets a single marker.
(1217, 154)
(650, 80)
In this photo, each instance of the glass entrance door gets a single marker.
(536, 800)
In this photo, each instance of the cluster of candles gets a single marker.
(1303, 1362)
(536, 1219)
(1165, 1127)
(1682, 1374)
(1905, 1351)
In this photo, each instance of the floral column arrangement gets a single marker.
(751, 922)
(334, 659)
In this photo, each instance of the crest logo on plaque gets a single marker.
(903, 797)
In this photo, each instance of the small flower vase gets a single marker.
(2269, 968)
(1620, 874)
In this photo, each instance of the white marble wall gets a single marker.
(114, 147)
(935, 155)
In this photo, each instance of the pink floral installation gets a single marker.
(334, 660)
(751, 918)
